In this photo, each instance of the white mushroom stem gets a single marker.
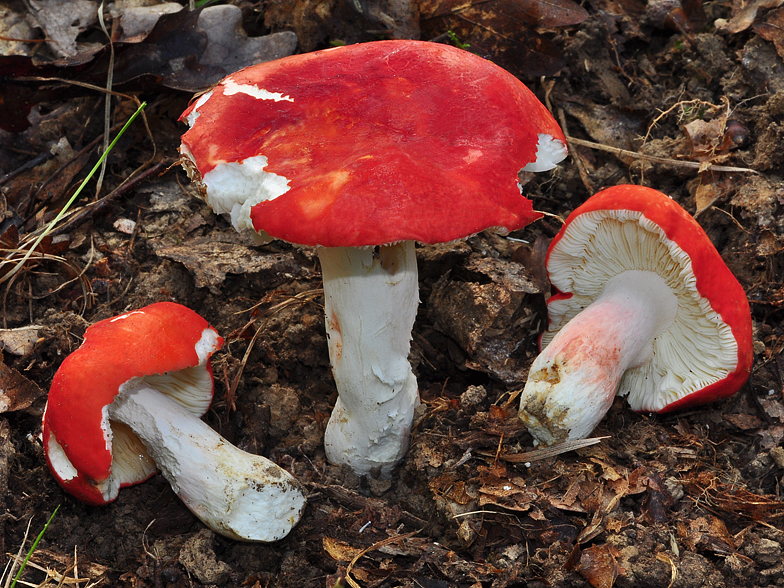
(239, 495)
(572, 383)
(370, 302)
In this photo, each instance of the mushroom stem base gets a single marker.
(239, 495)
(572, 383)
(371, 300)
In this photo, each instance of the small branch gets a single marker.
(623, 153)
(81, 215)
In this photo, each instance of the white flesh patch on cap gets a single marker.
(106, 427)
(230, 87)
(207, 344)
(236, 187)
(549, 153)
(697, 350)
(194, 113)
(125, 316)
(61, 465)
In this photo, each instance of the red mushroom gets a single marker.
(378, 144)
(645, 308)
(127, 404)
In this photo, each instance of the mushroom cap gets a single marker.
(158, 340)
(371, 144)
(706, 352)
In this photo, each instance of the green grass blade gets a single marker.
(33, 546)
(75, 195)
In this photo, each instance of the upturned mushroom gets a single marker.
(127, 404)
(378, 144)
(645, 307)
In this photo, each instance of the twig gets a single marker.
(546, 452)
(373, 547)
(577, 159)
(18, 557)
(107, 111)
(79, 216)
(623, 153)
(33, 546)
(62, 212)
(301, 298)
(26, 166)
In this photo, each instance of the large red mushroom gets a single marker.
(378, 144)
(127, 404)
(646, 308)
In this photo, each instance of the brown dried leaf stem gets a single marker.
(374, 547)
(546, 452)
(301, 298)
(623, 153)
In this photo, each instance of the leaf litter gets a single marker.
(658, 501)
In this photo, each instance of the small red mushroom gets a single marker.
(646, 308)
(127, 404)
(376, 144)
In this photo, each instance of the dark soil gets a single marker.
(688, 500)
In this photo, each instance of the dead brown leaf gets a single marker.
(745, 13)
(705, 486)
(658, 500)
(771, 437)
(340, 550)
(707, 533)
(706, 137)
(607, 123)
(773, 408)
(744, 422)
(772, 29)
(598, 564)
(16, 391)
(446, 487)
(62, 27)
(20, 341)
(769, 243)
(508, 495)
(710, 187)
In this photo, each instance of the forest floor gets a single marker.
(659, 94)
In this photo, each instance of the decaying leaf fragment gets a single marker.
(772, 29)
(730, 498)
(185, 50)
(61, 25)
(509, 492)
(707, 533)
(20, 341)
(745, 13)
(340, 550)
(597, 564)
(16, 391)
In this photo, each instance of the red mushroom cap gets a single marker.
(379, 142)
(714, 281)
(157, 339)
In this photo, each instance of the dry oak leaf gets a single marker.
(746, 14)
(16, 391)
(598, 564)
